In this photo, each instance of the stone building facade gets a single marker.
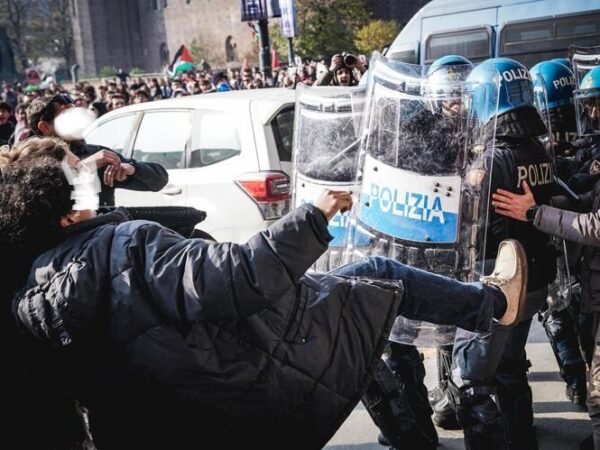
(7, 60)
(147, 33)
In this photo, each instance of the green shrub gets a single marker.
(107, 71)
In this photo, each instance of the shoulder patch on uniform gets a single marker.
(595, 167)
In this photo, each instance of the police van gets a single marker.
(528, 31)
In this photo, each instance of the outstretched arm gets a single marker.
(572, 226)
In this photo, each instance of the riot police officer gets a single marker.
(556, 83)
(405, 360)
(453, 68)
(497, 364)
(582, 228)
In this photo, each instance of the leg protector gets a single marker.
(407, 366)
(560, 329)
(515, 400)
(386, 402)
(483, 424)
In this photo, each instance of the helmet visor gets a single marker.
(519, 93)
(587, 107)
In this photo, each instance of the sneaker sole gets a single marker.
(521, 265)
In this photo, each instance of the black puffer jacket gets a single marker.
(519, 156)
(175, 343)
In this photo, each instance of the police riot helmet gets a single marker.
(587, 103)
(553, 86)
(515, 87)
(445, 77)
(449, 60)
(448, 70)
(556, 80)
(565, 62)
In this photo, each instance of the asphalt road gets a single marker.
(560, 424)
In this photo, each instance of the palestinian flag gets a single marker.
(181, 62)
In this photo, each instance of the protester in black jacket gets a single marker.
(115, 170)
(175, 343)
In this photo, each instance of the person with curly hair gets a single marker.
(35, 399)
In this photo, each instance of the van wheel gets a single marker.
(199, 234)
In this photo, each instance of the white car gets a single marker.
(228, 154)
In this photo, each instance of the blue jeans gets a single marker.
(469, 306)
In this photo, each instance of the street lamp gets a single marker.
(261, 11)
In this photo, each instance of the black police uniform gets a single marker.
(518, 156)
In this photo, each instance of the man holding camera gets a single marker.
(345, 70)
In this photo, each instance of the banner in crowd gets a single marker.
(259, 9)
(288, 25)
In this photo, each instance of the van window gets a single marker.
(472, 43)
(533, 41)
(112, 134)
(283, 130)
(405, 53)
(214, 139)
(162, 138)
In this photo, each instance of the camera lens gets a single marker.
(349, 60)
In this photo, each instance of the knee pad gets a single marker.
(513, 373)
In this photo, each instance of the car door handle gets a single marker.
(173, 190)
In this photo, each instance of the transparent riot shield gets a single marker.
(584, 59)
(325, 152)
(426, 149)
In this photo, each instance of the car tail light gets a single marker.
(270, 191)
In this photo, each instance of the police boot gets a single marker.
(406, 363)
(576, 390)
(386, 402)
(483, 424)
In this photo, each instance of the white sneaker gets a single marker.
(510, 276)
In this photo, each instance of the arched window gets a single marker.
(230, 49)
(164, 54)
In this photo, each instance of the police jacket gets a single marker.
(581, 228)
(519, 156)
(182, 343)
(147, 177)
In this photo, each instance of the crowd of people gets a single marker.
(122, 89)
